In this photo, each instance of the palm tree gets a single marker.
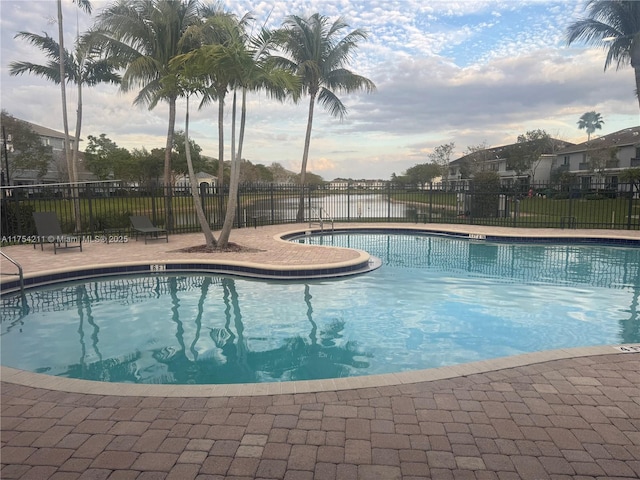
(219, 31)
(255, 71)
(590, 121)
(231, 61)
(615, 26)
(210, 240)
(319, 56)
(82, 68)
(145, 35)
(71, 165)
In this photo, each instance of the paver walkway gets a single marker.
(575, 417)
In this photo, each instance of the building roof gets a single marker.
(495, 153)
(48, 132)
(621, 138)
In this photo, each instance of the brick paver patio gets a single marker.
(573, 417)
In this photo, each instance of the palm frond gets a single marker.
(51, 71)
(612, 25)
(332, 103)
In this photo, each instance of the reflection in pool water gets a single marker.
(435, 301)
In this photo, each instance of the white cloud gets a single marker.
(466, 71)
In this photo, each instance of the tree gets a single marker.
(179, 158)
(441, 156)
(255, 70)
(82, 67)
(210, 240)
(632, 176)
(25, 150)
(145, 35)
(104, 158)
(314, 180)
(259, 173)
(615, 26)
(423, 173)
(525, 156)
(233, 61)
(486, 199)
(71, 163)
(216, 35)
(473, 156)
(146, 167)
(601, 158)
(86, 6)
(590, 121)
(281, 174)
(319, 56)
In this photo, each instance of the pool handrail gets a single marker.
(20, 272)
(319, 217)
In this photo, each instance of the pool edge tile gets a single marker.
(36, 380)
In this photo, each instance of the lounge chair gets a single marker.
(49, 231)
(142, 226)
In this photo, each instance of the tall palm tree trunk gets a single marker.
(635, 63)
(74, 158)
(305, 157)
(76, 144)
(221, 145)
(168, 187)
(65, 122)
(243, 120)
(202, 218)
(232, 204)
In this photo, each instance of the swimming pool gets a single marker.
(436, 301)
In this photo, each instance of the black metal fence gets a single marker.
(105, 207)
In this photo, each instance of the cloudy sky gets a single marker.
(468, 72)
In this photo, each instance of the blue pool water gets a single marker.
(435, 301)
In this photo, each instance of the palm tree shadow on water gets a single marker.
(298, 358)
(320, 354)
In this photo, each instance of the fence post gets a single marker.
(388, 201)
(570, 201)
(238, 209)
(471, 206)
(630, 209)
(88, 189)
(430, 202)
(153, 207)
(348, 201)
(271, 203)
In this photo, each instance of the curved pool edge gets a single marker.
(325, 268)
(363, 263)
(69, 385)
(483, 233)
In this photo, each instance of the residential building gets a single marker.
(57, 170)
(346, 184)
(496, 159)
(206, 181)
(601, 160)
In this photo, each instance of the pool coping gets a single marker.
(471, 232)
(91, 387)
